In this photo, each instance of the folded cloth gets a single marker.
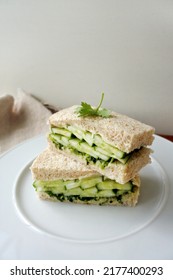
(21, 117)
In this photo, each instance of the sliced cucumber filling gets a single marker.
(92, 187)
(87, 143)
(61, 131)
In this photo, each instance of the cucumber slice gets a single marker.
(107, 147)
(82, 147)
(71, 184)
(89, 138)
(65, 140)
(55, 187)
(74, 191)
(55, 190)
(39, 183)
(98, 140)
(81, 134)
(90, 182)
(61, 131)
(85, 148)
(114, 151)
(91, 192)
(106, 193)
(77, 132)
(75, 143)
(103, 152)
(110, 185)
(124, 187)
(106, 185)
(100, 155)
(60, 139)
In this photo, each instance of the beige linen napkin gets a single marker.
(21, 117)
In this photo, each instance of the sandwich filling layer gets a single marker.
(90, 146)
(95, 188)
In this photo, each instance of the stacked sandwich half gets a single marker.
(92, 159)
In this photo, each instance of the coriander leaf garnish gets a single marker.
(87, 110)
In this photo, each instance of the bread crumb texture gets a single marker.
(53, 166)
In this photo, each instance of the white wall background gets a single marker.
(66, 51)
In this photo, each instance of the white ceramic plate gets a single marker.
(34, 229)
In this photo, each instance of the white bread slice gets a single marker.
(50, 166)
(118, 130)
(122, 173)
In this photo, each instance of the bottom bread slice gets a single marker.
(60, 178)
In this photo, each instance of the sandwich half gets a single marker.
(116, 147)
(60, 178)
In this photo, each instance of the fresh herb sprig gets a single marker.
(87, 110)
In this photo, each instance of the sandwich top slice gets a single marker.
(114, 146)
(60, 178)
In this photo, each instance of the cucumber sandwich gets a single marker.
(114, 146)
(60, 178)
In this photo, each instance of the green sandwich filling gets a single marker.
(87, 145)
(90, 188)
